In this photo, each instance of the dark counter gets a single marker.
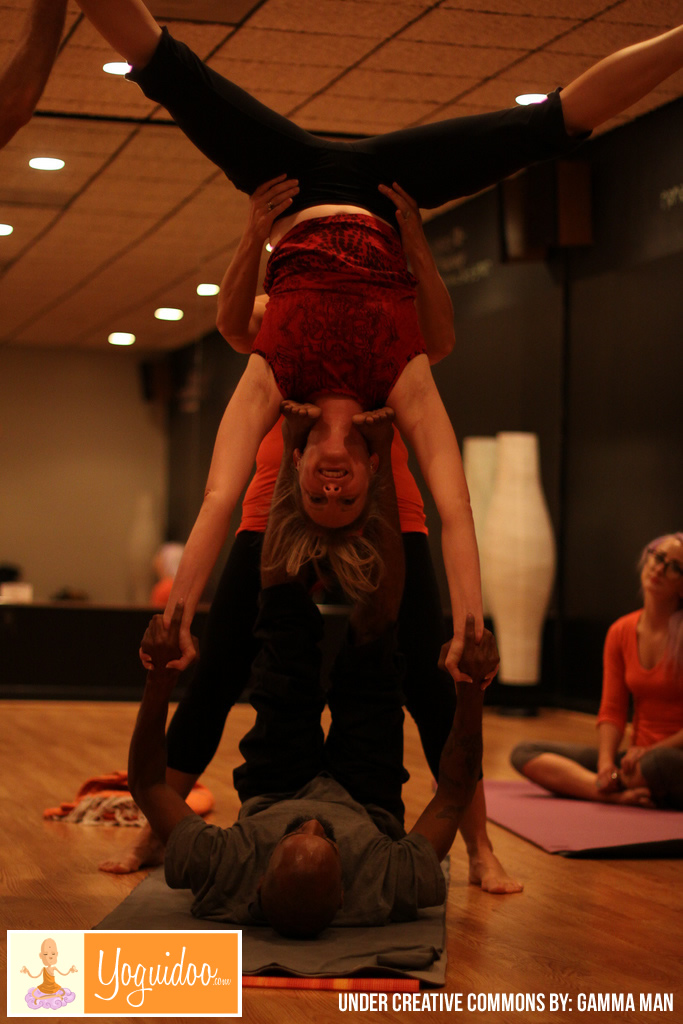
(69, 650)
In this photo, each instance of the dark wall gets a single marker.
(506, 370)
(625, 409)
(204, 376)
(584, 348)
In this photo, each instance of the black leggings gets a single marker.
(229, 648)
(434, 163)
(285, 749)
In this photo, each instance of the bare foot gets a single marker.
(487, 872)
(376, 426)
(299, 419)
(146, 851)
(639, 797)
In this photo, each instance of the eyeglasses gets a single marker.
(670, 568)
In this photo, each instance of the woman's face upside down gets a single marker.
(334, 475)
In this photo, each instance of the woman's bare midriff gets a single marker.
(285, 224)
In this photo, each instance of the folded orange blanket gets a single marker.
(106, 799)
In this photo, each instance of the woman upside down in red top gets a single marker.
(338, 186)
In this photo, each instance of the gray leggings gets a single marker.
(662, 768)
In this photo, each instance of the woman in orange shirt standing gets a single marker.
(643, 662)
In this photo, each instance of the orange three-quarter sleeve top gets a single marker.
(657, 692)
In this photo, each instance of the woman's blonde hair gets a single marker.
(295, 541)
(675, 642)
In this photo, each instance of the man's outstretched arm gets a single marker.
(23, 79)
(460, 765)
(162, 806)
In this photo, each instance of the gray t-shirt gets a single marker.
(384, 879)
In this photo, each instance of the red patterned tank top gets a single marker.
(341, 315)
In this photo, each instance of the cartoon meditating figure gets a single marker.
(49, 987)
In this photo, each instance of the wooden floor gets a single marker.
(579, 927)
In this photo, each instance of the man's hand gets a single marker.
(160, 644)
(299, 418)
(268, 202)
(377, 428)
(478, 660)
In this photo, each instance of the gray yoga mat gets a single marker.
(411, 949)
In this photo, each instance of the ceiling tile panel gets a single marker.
(84, 153)
(661, 14)
(543, 70)
(320, 50)
(470, 28)
(225, 11)
(340, 17)
(599, 38)
(439, 57)
(396, 86)
(28, 222)
(549, 8)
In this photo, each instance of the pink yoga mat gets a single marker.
(579, 828)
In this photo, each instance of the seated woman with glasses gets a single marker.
(643, 662)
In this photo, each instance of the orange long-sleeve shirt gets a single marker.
(657, 692)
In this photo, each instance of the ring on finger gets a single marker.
(270, 207)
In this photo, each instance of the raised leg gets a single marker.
(127, 25)
(283, 750)
(618, 81)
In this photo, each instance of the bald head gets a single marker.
(302, 888)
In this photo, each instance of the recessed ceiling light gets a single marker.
(208, 289)
(121, 338)
(6, 229)
(167, 313)
(527, 98)
(117, 67)
(269, 247)
(46, 163)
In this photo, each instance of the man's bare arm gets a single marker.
(460, 765)
(162, 806)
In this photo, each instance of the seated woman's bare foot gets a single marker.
(639, 797)
(487, 872)
(146, 851)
